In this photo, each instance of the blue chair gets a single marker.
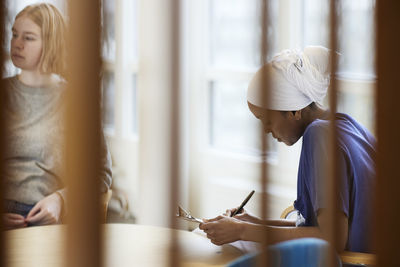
(307, 252)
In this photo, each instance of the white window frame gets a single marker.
(216, 173)
(123, 141)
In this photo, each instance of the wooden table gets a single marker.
(125, 245)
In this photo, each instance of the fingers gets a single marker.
(208, 221)
(34, 210)
(216, 240)
(12, 221)
(36, 218)
(216, 218)
(213, 234)
(206, 226)
(242, 211)
(240, 216)
(13, 216)
(228, 212)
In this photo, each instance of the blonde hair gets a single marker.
(53, 27)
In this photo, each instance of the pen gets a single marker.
(243, 203)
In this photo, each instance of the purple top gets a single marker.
(356, 173)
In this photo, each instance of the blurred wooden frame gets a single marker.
(345, 256)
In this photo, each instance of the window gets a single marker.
(108, 54)
(223, 55)
(356, 37)
(356, 34)
(234, 56)
(232, 126)
(119, 52)
(108, 30)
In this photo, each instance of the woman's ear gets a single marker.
(297, 115)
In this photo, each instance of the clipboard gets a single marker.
(185, 215)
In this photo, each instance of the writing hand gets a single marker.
(244, 215)
(222, 229)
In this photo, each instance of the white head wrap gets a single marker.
(296, 79)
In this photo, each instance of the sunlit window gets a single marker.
(234, 56)
(356, 44)
(356, 34)
(119, 52)
(108, 30)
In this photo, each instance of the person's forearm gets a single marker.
(279, 222)
(275, 234)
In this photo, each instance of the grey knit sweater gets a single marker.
(34, 158)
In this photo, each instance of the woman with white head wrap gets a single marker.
(297, 79)
(298, 83)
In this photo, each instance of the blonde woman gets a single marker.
(33, 109)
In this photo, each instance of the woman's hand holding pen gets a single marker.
(230, 226)
(222, 229)
(244, 215)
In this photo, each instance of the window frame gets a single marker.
(210, 167)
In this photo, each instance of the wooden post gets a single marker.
(264, 21)
(83, 136)
(331, 186)
(388, 132)
(175, 147)
(3, 127)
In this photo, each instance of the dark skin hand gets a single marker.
(225, 229)
(246, 216)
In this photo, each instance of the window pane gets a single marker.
(130, 118)
(108, 30)
(316, 24)
(356, 33)
(234, 40)
(108, 100)
(360, 105)
(130, 36)
(235, 33)
(233, 127)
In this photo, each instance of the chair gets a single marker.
(347, 257)
(105, 198)
(302, 252)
